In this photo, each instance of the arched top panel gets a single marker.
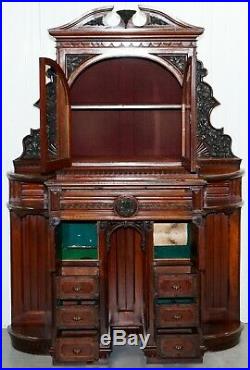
(126, 80)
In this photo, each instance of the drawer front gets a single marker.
(185, 315)
(77, 287)
(179, 285)
(179, 346)
(79, 349)
(103, 202)
(78, 317)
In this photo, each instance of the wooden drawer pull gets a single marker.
(177, 316)
(76, 351)
(77, 288)
(176, 286)
(178, 347)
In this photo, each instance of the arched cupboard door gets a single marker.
(54, 117)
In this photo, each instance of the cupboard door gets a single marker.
(54, 117)
(187, 115)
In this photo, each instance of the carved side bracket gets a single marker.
(212, 142)
(31, 145)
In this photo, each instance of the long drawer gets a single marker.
(177, 315)
(77, 317)
(179, 346)
(77, 349)
(176, 285)
(77, 287)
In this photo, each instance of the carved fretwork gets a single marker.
(110, 226)
(95, 22)
(212, 142)
(178, 61)
(73, 61)
(31, 142)
(31, 145)
(156, 21)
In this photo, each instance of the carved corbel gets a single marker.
(54, 221)
(198, 219)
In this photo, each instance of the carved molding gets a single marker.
(88, 205)
(125, 44)
(212, 142)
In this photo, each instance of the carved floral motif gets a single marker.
(73, 61)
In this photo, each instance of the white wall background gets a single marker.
(222, 48)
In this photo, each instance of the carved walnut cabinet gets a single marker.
(125, 204)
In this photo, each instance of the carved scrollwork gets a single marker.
(212, 142)
(73, 61)
(95, 22)
(125, 44)
(31, 145)
(156, 21)
(178, 61)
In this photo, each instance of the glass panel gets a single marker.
(172, 240)
(77, 240)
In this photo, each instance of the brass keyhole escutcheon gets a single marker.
(177, 316)
(76, 351)
(179, 347)
(77, 288)
(176, 286)
(77, 318)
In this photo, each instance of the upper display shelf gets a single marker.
(108, 20)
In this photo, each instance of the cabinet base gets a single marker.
(217, 337)
(35, 339)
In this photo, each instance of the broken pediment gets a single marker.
(108, 19)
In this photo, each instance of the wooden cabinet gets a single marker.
(125, 204)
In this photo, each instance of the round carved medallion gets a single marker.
(126, 206)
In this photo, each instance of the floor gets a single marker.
(126, 357)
